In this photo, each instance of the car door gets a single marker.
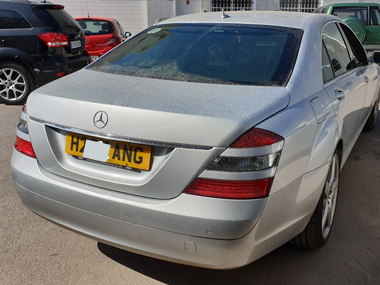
(16, 32)
(373, 29)
(369, 72)
(345, 81)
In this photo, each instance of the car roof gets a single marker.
(352, 5)
(272, 18)
(28, 1)
(95, 18)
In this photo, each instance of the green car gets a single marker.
(362, 18)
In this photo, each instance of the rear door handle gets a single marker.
(340, 93)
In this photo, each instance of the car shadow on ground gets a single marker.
(269, 269)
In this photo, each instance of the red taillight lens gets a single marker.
(54, 39)
(228, 189)
(256, 137)
(24, 147)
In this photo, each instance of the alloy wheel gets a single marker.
(329, 196)
(12, 84)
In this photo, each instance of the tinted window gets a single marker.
(227, 54)
(327, 71)
(12, 20)
(336, 49)
(374, 16)
(358, 53)
(120, 29)
(58, 19)
(93, 27)
(358, 12)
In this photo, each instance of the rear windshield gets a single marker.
(208, 53)
(92, 27)
(57, 19)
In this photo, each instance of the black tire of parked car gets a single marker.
(372, 119)
(317, 232)
(16, 83)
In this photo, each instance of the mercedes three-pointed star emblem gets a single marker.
(100, 119)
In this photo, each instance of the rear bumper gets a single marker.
(154, 230)
(50, 66)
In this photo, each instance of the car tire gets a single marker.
(372, 119)
(15, 83)
(318, 230)
(357, 27)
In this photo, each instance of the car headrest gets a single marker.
(83, 25)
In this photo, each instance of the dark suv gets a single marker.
(39, 42)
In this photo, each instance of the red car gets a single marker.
(102, 35)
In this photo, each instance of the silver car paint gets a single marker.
(285, 215)
(215, 235)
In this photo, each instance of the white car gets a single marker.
(207, 140)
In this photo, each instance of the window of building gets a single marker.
(232, 5)
(299, 5)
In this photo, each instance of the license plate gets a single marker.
(94, 57)
(75, 44)
(121, 153)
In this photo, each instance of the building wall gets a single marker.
(184, 7)
(131, 14)
(267, 5)
(160, 9)
(136, 15)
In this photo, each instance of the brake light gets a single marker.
(245, 170)
(54, 39)
(24, 147)
(230, 189)
(256, 137)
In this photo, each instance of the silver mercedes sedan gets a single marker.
(207, 139)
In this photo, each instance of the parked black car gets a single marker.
(39, 42)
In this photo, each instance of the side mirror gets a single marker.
(128, 34)
(376, 56)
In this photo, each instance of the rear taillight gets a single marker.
(113, 42)
(54, 39)
(245, 170)
(22, 124)
(256, 138)
(24, 147)
(231, 189)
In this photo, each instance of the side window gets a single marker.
(336, 49)
(327, 72)
(358, 54)
(12, 20)
(358, 12)
(120, 28)
(374, 16)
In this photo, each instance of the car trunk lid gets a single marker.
(186, 125)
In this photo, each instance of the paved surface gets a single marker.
(34, 251)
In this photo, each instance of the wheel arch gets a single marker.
(19, 57)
